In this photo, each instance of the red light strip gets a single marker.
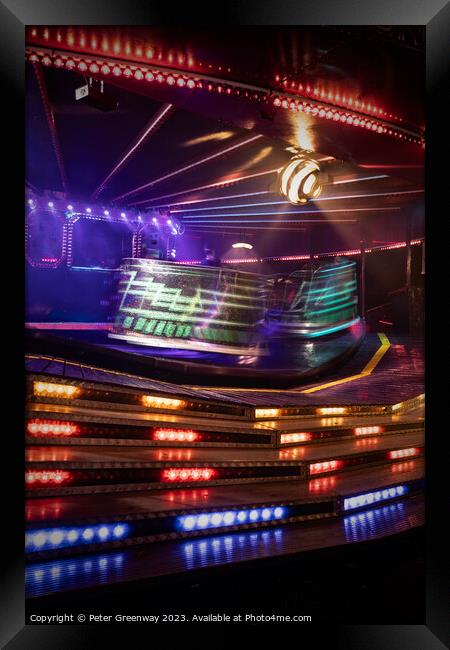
(35, 478)
(148, 73)
(176, 435)
(288, 258)
(352, 118)
(140, 52)
(339, 98)
(183, 474)
(326, 466)
(44, 428)
(373, 249)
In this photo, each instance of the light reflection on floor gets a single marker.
(232, 548)
(372, 523)
(56, 575)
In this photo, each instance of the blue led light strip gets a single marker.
(369, 498)
(207, 520)
(44, 539)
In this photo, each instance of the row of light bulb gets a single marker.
(174, 227)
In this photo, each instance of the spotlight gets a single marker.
(242, 245)
(70, 207)
(94, 96)
(88, 210)
(106, 213)
(123, 215)
(299, 180)
(50, 204)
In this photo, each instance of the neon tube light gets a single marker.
(152, 126)
(216, 198)
(217, 184)
(331, 330)
(261, 203)
(238, 196)
(217, 223)
(190, 218)
(356, 180)
(191, 165)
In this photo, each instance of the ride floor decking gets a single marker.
(101, 506)
(397, 377)
(79, 456)
(192, 559)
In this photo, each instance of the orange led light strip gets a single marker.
(162, 402)
(46, 389)
(294, 437)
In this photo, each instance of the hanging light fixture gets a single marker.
(300, 179)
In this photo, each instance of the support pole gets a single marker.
(309, 237)
(362, 272)
(409, 296)
(362, 279)
(408, 252)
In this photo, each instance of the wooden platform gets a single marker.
(336, 462)
(182, 560)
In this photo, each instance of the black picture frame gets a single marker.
(14, 16)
